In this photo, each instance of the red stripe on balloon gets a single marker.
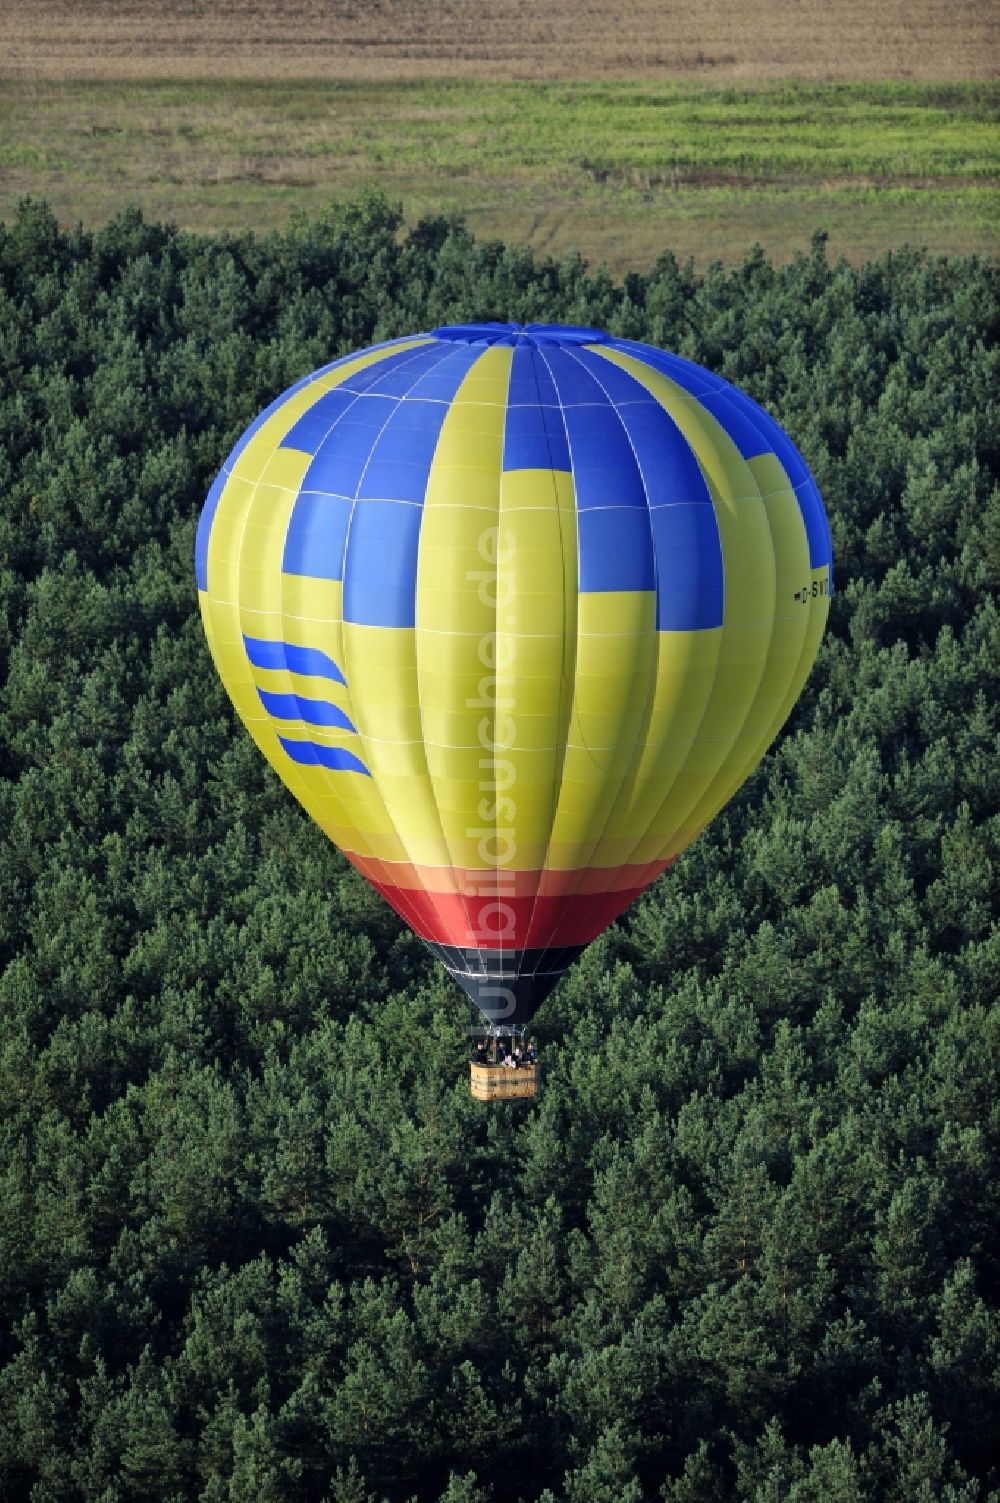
(504, 923)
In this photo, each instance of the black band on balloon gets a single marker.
(508, 986)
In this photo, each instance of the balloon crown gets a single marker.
(531, 335)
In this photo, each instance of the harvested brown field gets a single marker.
(370, 40)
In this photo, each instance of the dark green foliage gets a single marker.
(257, 1242)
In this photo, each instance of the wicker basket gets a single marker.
(500, 1083)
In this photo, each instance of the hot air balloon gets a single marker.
(513, 611)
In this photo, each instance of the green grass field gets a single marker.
(617, 171)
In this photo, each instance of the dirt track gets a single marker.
(514, 39)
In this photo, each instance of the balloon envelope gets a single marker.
(513, 611)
